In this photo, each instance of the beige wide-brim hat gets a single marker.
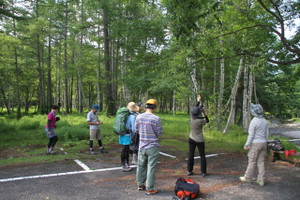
(132, 107)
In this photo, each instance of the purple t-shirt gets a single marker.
(52, 118)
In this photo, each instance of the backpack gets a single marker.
(119, 124)
(186, 188)
(275, 145)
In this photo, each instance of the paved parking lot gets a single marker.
(102, 178)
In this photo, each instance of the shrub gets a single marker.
(28, 123)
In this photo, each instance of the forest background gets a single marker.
(75, 53)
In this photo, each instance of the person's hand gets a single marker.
(246, 148)
(49, 132)
(100, 122)
(199, 98)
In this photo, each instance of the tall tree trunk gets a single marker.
(174, 103)
(17, 75)
(41, 94)
(110, 103)
(221, 93)
(58, 80)
(99, 85)
(234, 90)
(49, 82)
(245, 98)
(66, 92)
(215, 85)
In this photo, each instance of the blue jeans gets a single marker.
(147, 161)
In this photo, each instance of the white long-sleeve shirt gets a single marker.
(258, 131)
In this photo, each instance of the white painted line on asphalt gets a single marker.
(168, 155)
(206, 156)
(81, 164)
(61, 174)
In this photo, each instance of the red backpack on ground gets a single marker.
(186, 188)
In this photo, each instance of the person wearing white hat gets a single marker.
(125, 140)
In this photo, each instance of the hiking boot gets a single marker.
(242, 178)
(141, 187)
(261, 183)
(151, 192)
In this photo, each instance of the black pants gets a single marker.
(52, 141)
(125, 155)
(192, 146)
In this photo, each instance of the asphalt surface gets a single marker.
(283, 179)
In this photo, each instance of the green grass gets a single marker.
(25, 141)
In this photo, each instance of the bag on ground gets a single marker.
(275, 145)
(186, 189)
(119, 124)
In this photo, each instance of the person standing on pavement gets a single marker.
(92, 120)
(125, 140)
(196, 139)
(149, 127)
(49, 128)
(256, 145)
(135, 138)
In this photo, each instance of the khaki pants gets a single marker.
(147, 161)
(256, 156)
(95, 134)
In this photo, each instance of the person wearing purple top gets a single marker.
(149, 127)
(49, 128)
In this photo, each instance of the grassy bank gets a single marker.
(25, 141)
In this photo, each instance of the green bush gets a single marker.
(6, 126)
(28, 123)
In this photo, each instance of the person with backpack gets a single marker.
(149, 127)
(125, 140)
(196, 138)
(92, 120)
(49, 128)
(256, 145)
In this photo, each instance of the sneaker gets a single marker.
(92, 151)
(242, 178)
(151, 192)
(204, 174)
(190, 173)
(52, 152)
(126, 169)
(261, 183)
(48, 152)
(103, 151)
(141, 187)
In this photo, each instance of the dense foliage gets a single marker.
(75, 53)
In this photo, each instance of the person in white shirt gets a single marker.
(257, 145)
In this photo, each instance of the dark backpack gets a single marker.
(186, 189)
(275, 145)
(119, 124)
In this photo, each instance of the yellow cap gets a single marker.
(152, 101)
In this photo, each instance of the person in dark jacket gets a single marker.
(197, 121)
